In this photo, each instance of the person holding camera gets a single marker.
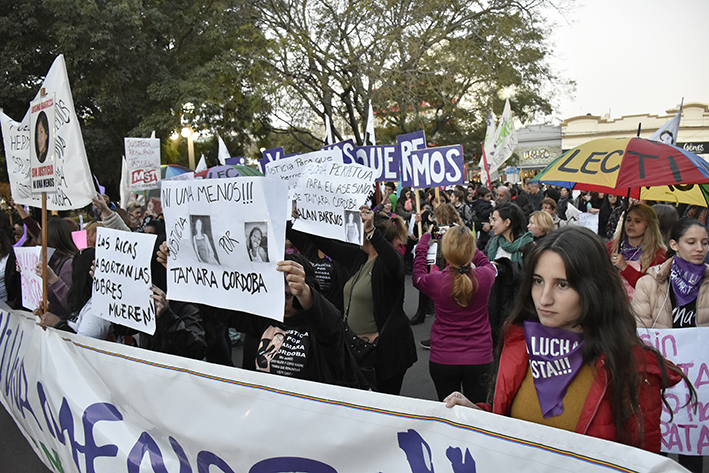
(461, 339)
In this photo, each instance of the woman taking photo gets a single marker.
(461, 339)
(559, 318)
(509, 225)
(639, 247)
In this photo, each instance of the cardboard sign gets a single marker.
(42, 148)
(122, 279)
(384, 160)
(31, 284)
(406, 144)
(688, 432)
(329, 197)
(143, 160)
(434, 167)
(72, 177)
(225, 238)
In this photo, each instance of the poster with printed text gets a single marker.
(329, 196)
(122, 279)
(226, 237)
(143, 160)
(42, 154)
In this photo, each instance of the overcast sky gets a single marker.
(632, 56)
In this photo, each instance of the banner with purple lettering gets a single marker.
(87, 405)
(688, 431)
(384, 161)
(406, 144)
(434, 167)
(269, 156)
(347, 148)
(226, 237)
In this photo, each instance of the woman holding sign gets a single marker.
(573, 360)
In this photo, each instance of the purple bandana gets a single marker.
(631, 253)
(22, 240)
(686, 279)
(555, 358)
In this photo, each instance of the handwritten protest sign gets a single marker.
(143, 160)
(269, 156)
(406, 144)
(384, 160)
(434, 167)
(688, 432)
(42, 148)
(74, 186)
(347, 148)
(290, 169)
(329, 197)
(589, 221)
(225, 238)
(122, 279)
(27, 259)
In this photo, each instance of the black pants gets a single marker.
(471, 380)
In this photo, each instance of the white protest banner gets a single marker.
(42, 149)
(31, 284)
(329, 197)
(122, 279)
(435, 167)
(347, 148)
(688, 432)
(226, 237)
(143, 161)
(87, 405)
(289, 169)
(589, 220)
(384, 160)
(75, 188)
(406, 144)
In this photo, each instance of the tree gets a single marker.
(435, 65)
(138, 66)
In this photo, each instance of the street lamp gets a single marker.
(189, 134)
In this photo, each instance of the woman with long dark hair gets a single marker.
(611, 385)
(10, 291)
(637, 248)
(59, 266)
(511, 236)
(461, 340)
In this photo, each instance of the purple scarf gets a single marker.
(631, 253)
(22, 240)
(686, 279)
(555, 358)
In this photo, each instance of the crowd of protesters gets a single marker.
(493, 265)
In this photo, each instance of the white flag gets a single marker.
(669, 131)
(369, 138)
(223, 151)
(329, 139)
(125, 193)
(201, 165)
(487, 145)
(505, 140)
(75, 187)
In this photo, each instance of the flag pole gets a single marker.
(45, 301)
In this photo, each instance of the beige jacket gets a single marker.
(652, 304)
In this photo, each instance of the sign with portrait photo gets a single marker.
(226, 237)
(42, 156)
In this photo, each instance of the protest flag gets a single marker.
(201, 165)
(369, 137)
(668, 132)
(505, 140)
(223, 151)
(487, 145)
(125, 193)
(329, 138)
(74, 185)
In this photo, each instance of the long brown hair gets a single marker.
(458, 248)
(652, 239)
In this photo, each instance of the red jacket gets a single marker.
(596, 417)
(631, 274)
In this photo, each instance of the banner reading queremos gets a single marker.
(226, 237)
(92, 406)
(687, 431)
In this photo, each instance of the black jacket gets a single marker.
(178, 331)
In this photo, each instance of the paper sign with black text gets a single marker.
(684, 430)
(329, 197)
(434, 167)
(406, 144)
(122, 279)
(27, 259)
(226, 237)
(143, 160)
(72, 176)
(384, 160)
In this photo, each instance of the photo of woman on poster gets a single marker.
(352, 227)
(41, 137)
(202, 241)
(256, 242)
